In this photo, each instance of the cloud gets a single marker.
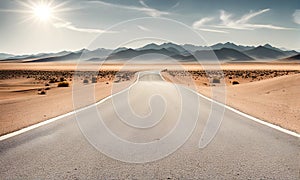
(146, 9)
(142, 2)
(296, 16)
(226, 21)
(200, 23)
(243, 23)
(225, 17)
(143, 28)
(211, 30)
(68, 25)
(247, 17)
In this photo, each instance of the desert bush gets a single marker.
(107, 82)
(43, 92)
(52, 80)
(63, 84)
(47, 88)
(85, 81)
(94, 79)
(216, 80)
(62, 79)
(47, 84)
(235, 82)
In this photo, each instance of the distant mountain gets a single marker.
(290, 52)
(151, 54)
(193, 48)
(69, 57)
(222, 54)
(5, 56)
(17, 57)
(271, 47)
(286, 52)
(230, 45)
(292, 58)
(262, 52)
(83, 54)
(206, 55)
(21, 58)
(217, 46)
(241, 48)
(119, 49)
(150, 46)
(170, 46)
(296, 57)
(97, 53)
(187, 52)
(175, 46)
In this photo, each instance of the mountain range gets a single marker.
(187, 52)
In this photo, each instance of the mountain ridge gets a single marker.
(186, 52)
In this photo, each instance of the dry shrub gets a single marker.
(63, 84)
(85, 81)
(216, 80)
(94, 79)
(235, 83)
(43, 92)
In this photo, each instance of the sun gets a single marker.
(43, 12)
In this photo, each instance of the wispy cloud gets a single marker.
(60, 23)
(243, 23)
(296, 16)
(226, 20)
(143, 28)
(212, 30)
(200, 24)
(146, 9)
(244, 19)
(142, 2)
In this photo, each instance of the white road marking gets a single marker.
(12, 134)
(108, 97)
(245, 115)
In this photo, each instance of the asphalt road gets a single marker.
(241, 148)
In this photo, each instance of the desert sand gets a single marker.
(270, 95)
(268, 91)
(31, 96)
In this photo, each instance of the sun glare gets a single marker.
(43, 12)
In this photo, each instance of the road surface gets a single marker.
(241, 149)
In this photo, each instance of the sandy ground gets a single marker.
(274, 100)
(268, 91)
(22, 103)
(271, 95)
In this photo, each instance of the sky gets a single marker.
(36, 26)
